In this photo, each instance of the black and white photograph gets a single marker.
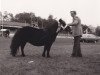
(49, 37)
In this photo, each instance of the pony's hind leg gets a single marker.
(22, 49)
(14, 51)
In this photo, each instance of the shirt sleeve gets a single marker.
(75, 22)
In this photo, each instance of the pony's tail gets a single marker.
(15, 43)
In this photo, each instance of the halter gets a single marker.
(62, 25)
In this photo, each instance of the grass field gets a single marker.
(60, 63)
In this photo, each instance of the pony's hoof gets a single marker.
(23, 55)
(43, 55)
(48, 56)
(80, 55)
(13, 55)
(76, 55)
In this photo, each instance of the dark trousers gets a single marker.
(76, 48)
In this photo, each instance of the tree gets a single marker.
(6, 16)
(97, 31)
(25, 17)
(40, 22)
(84, 28)
(50, 17)
(44, 23)
(33, 18)
(0, 16)
(12, 17)
(50, 21)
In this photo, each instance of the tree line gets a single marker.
(31, 18)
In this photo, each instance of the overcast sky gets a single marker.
(87, 10)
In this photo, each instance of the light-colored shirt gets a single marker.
(76, 26)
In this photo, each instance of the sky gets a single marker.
(87, 10)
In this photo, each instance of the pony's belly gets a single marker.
(37, 43)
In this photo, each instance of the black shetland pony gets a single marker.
(37, 37)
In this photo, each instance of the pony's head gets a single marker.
(63, 23)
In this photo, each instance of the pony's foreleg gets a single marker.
(22, 49)
(48, 50)
(43, 54)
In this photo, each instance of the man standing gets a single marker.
(77, 33)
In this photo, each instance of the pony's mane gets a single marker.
(52, 26)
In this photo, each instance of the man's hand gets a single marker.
(63, 27)
(68, 24)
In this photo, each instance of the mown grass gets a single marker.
(60, 63)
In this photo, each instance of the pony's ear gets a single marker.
(60, 20)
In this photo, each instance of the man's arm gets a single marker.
(76, 20)
(63, 27)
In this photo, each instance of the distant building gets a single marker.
(12, 25)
